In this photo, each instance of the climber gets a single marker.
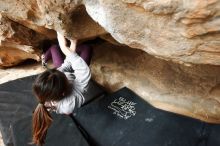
(60, 90)
(52, 51)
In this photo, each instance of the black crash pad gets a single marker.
(17, 102)
(124, 119)
(63, 131)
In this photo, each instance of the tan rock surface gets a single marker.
(179, 30)
(24, 23)
(68, 17)
(193, 91)
(17, 43)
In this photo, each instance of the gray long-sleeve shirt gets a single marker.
(78, 73)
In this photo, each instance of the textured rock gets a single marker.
(192, 91)
(183, 31)
(17, 43)
(180, 30)
(66, 16)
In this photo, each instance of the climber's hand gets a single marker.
(73, 45)
(62, 43)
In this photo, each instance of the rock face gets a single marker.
(184, 31)
(18, 43)
(66, 16)
(41, 18)
(192, 91)
(181, 31)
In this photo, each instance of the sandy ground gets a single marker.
(18, 72)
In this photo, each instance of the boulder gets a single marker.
(17, 43)
(44, 16)
(183, 31)
(177, 31)
(188, 90)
